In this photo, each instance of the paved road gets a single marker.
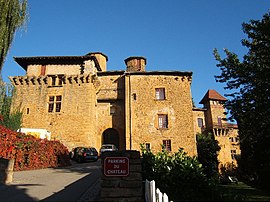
(78, 182)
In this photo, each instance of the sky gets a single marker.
(173, 35)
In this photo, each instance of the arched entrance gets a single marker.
(110, 136)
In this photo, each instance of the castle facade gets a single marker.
(83, 104)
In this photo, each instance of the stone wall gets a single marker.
(142, 110)
(75, 124)
(198, 113)
(123, 188)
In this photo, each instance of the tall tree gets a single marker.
(208, 148)
(13, 14)
(249, 84)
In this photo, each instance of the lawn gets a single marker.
(243, 192)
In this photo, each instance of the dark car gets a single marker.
(83, 154)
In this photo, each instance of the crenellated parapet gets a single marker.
(51, 80)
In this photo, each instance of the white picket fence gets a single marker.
(153, 194)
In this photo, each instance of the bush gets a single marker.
(178, 175)
(31, 153)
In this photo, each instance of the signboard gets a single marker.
(116, 166)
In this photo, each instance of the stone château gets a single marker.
(83, 104)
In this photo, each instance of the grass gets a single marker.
(243, 192)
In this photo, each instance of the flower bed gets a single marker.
(31, 153)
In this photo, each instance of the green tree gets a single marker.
(12, 16)
(249, 84)
(208, 148)
(9, 119)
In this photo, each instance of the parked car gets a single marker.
(83, 154)
(107, 147)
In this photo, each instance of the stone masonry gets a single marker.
(83, 104)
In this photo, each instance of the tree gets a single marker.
(208, 148)
(12, 16)
(8, 118)
(249, 84)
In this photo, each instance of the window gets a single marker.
(54, 104)
(134, 96)
(162, 121)
(167, 145)
(112, 110)
(233, 154)
(160, 93)
(147, 146)
(200, 122)
(219, 121)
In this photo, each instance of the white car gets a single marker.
(107, 147)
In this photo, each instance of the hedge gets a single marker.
(30, 152)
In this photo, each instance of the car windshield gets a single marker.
(107, 147)
(89, 150)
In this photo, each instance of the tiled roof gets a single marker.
(25, 61)
(212, 95)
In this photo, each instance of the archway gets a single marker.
(110, 136)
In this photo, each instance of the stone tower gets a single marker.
(225, 133)
(213, 102)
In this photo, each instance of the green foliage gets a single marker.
(12, 16)
(208, 148)
(178, 175)
(9, 119)
(249, 82)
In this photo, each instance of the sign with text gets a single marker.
(116, 166)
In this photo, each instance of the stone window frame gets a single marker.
(54, 103)
(160, 93)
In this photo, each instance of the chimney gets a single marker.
(101, 58)
(135, 64)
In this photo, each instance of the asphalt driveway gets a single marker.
(78, 182)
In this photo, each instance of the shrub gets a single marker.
(30, 152)
(178, 175)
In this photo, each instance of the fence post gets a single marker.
(147, 191)
(165, 198)
(153, 191)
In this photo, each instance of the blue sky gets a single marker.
(177, 35)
